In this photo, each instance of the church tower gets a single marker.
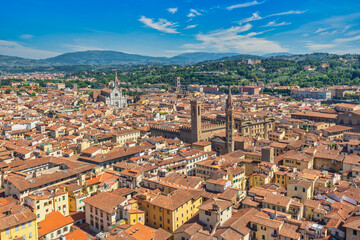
(229, 118)
(195, 120)
(116, 83)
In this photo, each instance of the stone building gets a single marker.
(114, 96)
(198, 130)
(229, 116)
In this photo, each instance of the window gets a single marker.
(63, 197)
(24, 236)
(17, 227)
(295, 188)
(30, 234)
(303, 189)
(23, 225)
(7, 231)
(354, 232)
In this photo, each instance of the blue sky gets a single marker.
(45, 28)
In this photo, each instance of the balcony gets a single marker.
(274, 234)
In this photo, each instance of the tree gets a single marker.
(136, 98)
(33, 94)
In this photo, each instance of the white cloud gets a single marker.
(319, 30)
(231, 40)
(254, 17)
(26, 36)
(181, 51)
(316, 46)
(287, 13)
(344, 40)
(172, 10)
(275, 24)
(15, 49)
(80, 47)
(191, 26)
(193, 13)
(354, 32)
(352, 50)
(161, 25)
(242, 5)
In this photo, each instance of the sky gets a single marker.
(46, 28)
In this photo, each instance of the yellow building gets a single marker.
(283, 176)
(170, 211)
(265, 228)
(46, 147)
(202, 146)
(134, 216)
(313, 210)
(298, 160)
(76, 195)
(101, 182)
(301, 189)
(222, 167)
(262, 174)
(256, 155)
(44, 202)
(236, 175)
(20, 223)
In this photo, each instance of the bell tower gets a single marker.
(178, 85)
(116, 83)
(195, 120)
(229, 118)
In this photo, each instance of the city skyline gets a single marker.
(163, 28)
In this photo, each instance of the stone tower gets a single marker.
(195, 120)
(116, 83)
(229, 118)
(178, 84)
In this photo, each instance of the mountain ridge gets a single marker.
(108, 57)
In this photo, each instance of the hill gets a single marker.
(108, 58)
(101, 58)
(190, 58)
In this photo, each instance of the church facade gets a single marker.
(114, 96)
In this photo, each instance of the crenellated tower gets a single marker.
(229, 118)
(195, 120)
